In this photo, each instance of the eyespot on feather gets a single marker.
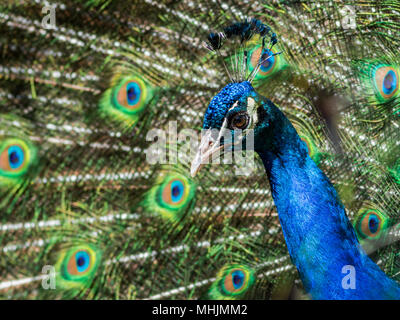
(370, 223)
(77, 266)
(79, 262)
(17, 157)
(386, 82)
(232, 282)
(131, 95)
(170, 195)
(270, 66)
(126, 99)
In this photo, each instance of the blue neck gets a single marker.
(320, 239)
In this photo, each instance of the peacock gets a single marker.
(320, 239)
(101, 111)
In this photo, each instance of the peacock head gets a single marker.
(237, 110)
(232, 117)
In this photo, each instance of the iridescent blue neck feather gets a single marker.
(320, 239)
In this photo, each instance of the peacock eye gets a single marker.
(386, 82)
(131, 95)
(381, 79)
(236, 280)
(170, 195)
(239, 121)
(232, 282)
(268, 61)
(370, 223)
(77, 266)
(126, 99)
(174, 192)
(271, 64)
(17, 157)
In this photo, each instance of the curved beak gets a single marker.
(209, 147)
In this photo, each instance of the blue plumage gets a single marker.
(319, 236)
(321, 240)
(220, 104)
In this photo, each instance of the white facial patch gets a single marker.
(234, 106)
(252, 109)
